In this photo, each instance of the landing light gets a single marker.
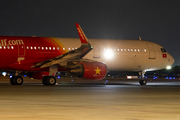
(168, 67)
(108, 54)
(4, 73)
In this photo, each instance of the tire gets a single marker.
(51, 80)
(142, 82)
(44, 81)
(12, 80)
(16, 80)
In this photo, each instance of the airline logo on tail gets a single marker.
(81, 34)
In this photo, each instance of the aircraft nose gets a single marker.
(170, 59)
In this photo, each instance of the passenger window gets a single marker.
(0, 47)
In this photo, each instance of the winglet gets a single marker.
(82, 36)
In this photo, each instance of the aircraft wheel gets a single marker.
(142, 82)
(16, 80)
(44, 80)
(49, 80)
(12, 80)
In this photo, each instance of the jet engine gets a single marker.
(90, 70)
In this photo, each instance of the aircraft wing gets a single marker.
(72, 55)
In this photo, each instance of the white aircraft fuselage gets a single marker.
(124, 55)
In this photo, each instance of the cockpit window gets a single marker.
(163, 50)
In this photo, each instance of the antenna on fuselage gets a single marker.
(139, 37)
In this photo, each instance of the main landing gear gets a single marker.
(142, 81)
(16, 80)
(49, 80)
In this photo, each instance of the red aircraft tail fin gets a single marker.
(82, 36)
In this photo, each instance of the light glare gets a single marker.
(168, 67)
(4, 73)
(108, 54)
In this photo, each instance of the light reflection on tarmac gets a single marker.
(82, 100)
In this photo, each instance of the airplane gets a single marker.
(42, 57)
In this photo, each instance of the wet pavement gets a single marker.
(73, 100)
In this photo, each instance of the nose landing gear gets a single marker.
(142, 81)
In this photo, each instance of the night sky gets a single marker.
(154, 20)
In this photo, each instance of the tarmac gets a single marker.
(78, 99)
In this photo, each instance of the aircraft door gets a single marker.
(21, 50)
(96, 51)
(152, 54)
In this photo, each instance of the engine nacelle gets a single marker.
(90, 70)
